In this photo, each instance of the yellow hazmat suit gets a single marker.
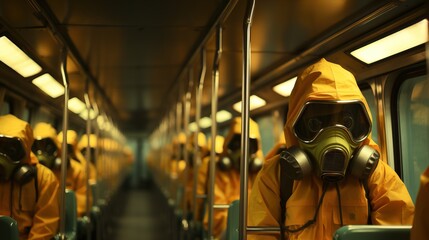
(35, 208)
(203, 173)
(75, 179)
(72, 140)
(420, 230)
(390, 201)
(227, 183)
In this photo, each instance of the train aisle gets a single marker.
(140, 213)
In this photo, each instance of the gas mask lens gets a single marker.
(12, 148)
(44, 146)
(317, 116)
(235, 144)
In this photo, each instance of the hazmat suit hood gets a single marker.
(83, 143)
(15, 127)
(235, 129)
(323, 81)
(232, 156)
(45, 130)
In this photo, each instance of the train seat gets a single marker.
(233, 220)
(9, 228)
(71, 216)
(357, 232)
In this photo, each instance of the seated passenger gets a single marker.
(420, 230)
(82, 146)
(189, 180)
(227, 177)
(48, 150)
(75, 154)
(28, 190)
(330, 164)
(203, 172)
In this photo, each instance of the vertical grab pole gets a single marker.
(215, 86)
(88, 157)
(197, 158)
(186, 114)
(64, 145)
(245, 119)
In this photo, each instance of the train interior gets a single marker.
(144, 72)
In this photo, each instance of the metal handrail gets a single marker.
(215, 86)
(197, 158)
(62, 194)
(245, 95)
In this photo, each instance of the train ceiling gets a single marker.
(137, 57)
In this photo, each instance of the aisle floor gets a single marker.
(141, 213)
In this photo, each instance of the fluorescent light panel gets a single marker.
(285, 88)
(84, 114)
(192, 127)
(49, 85)
(75, 105)
(205, 122)
(16, 59)
(255, 102)
(400, 41)
(223, 116)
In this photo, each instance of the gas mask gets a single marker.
(46, 151)
(12, 153)
(330, 136)
(231, 160)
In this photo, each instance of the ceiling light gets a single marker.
(205, 122)
(255, 102)
(285, 88)
(49, 85)
(75, 105)
(223, 116)
(400, 41)
(192, 127)
(84, 114)
(16, 59)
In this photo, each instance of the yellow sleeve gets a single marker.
(390, 201)
(219, 215)
(264, 200)
(46, 217)
(79, 187)
(420, 230)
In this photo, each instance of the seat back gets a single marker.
(358, 232)
(71, 215)
(8, 228)
(233, 220)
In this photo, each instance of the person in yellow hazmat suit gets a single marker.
(189, 179)
(203, 172)
(48, 150)
(73, 151)
(331, 163)
(28, 190)
(227, 177)
(82, 147)
(420, 229)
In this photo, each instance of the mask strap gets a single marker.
(325, 188)
(339, 202)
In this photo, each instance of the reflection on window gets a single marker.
(370, 98)
(413, 110)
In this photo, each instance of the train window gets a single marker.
(370, 98)
(5, 108)
(413, 121)
(26, 114)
